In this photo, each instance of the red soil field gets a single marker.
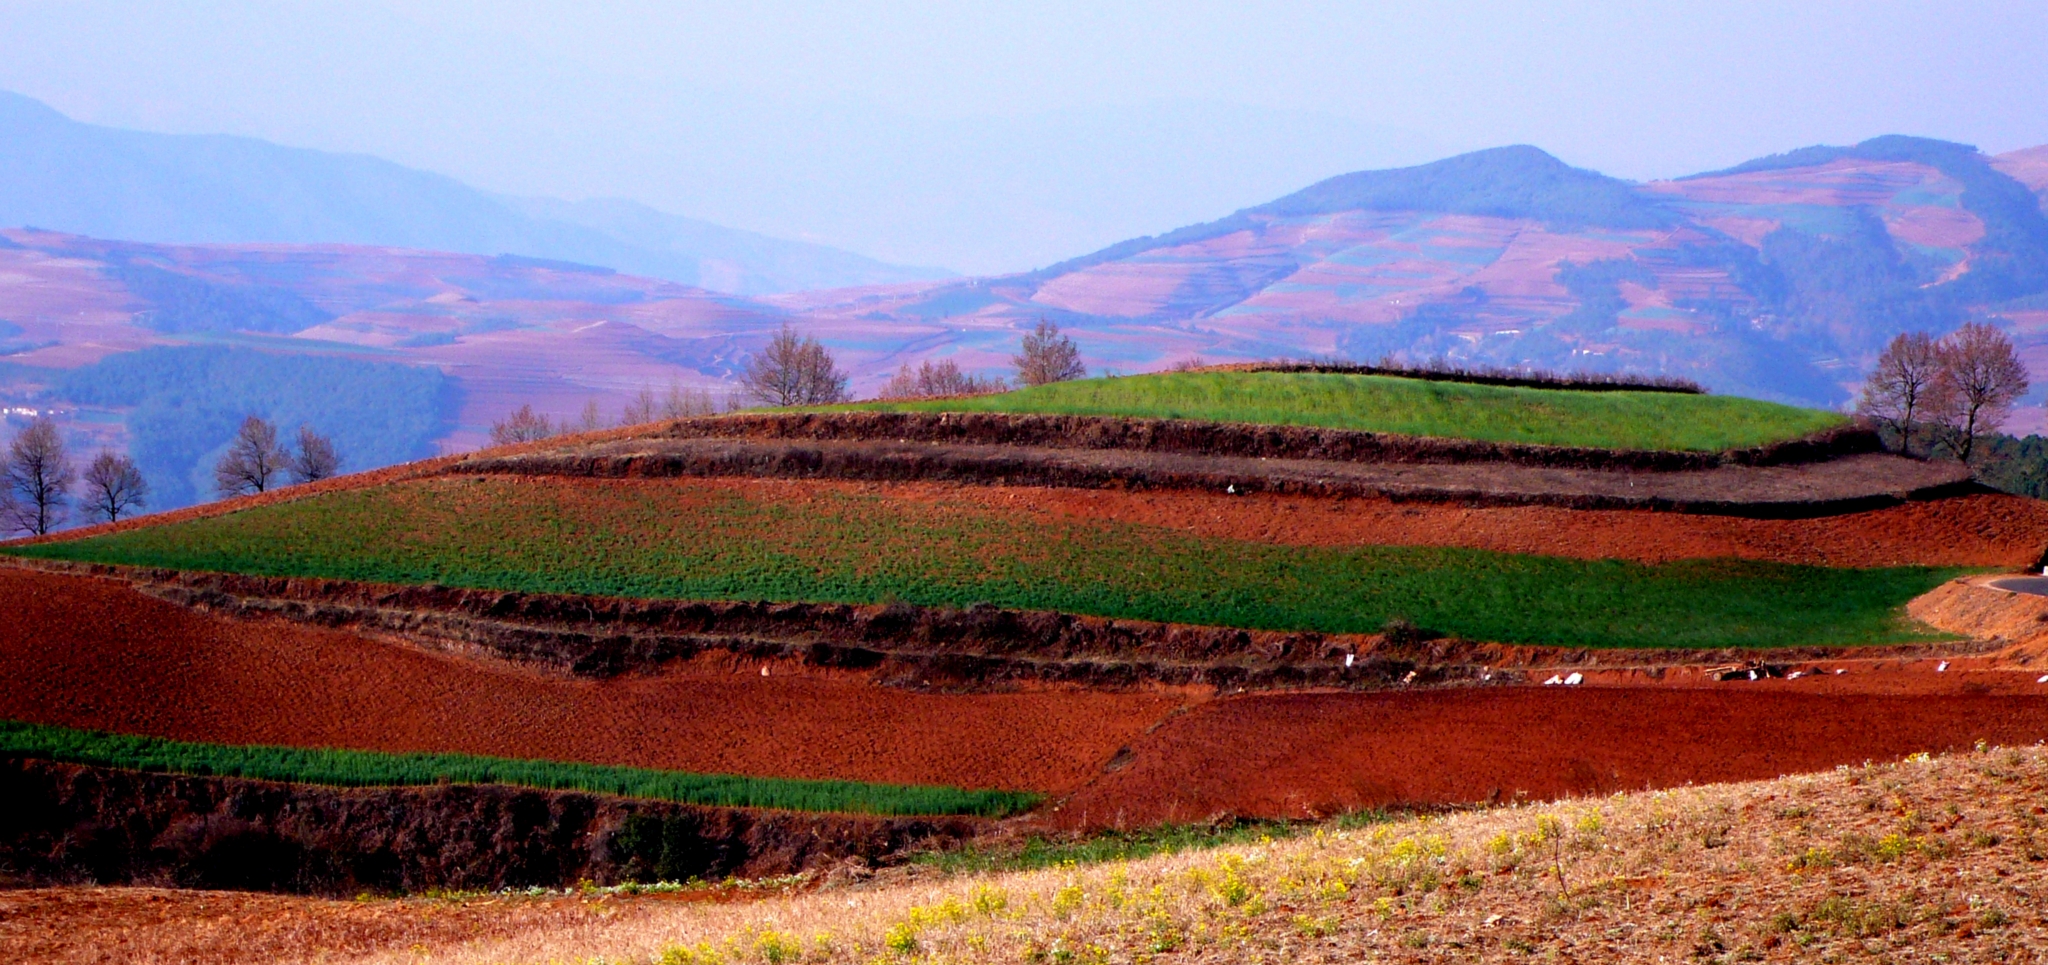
(136, 926)
(84, 652)
(1979, 530)
(88, 652)
(1315, 754)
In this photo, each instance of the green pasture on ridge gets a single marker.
(349, 768)
(693, 539)
(1379, 403)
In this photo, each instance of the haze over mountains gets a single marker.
(59, 174)
(385, 309)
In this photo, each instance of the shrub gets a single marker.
(523, 425)
(934, 381)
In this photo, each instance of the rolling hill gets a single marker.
(1779, 278)
(162, 349)
(63, 175)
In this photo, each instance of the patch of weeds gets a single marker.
(1314, 927)
(901, 938)
(1812, 859)
(777, 948)
(1042, 852)
(1858, 917)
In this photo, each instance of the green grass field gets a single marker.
(1376, 403)
(693, 539)
(346, 768)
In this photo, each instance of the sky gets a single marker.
(1001, 137)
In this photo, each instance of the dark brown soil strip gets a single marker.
(1854, 483)
(899, 645)
(70, 824)
(1196, 438)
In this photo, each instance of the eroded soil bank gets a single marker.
(66, 823)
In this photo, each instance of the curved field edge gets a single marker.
(1940, 856)
(1415, 407)
(351, 768)
(690, 540)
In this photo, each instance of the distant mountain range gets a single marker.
(63, 175)
(1779, 278)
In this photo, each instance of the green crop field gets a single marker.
(737, 540)
(346, 768)
(1376, 403)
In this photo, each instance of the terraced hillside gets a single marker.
(1413, 407)
(1780, 278)
(1109, 596)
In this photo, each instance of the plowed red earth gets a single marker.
(143, 926)
(1303, 755)
(1982, 530)
(83, 652)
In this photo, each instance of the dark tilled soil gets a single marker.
(1847, 484)
(1199, 438)
(66, 823)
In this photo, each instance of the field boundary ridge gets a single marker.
(912, 647)
(1490, 375)
(73, 823)
(1202, 438)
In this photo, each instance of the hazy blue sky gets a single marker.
(987, 139)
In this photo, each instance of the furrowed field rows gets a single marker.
(349, 768)
(718, 539)
(1373, 403)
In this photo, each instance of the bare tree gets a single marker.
(591, 418)
(1189, 364)
(682, 403)
(640, 410)
(253, 461)
(794, 370)
(315, 458)
(1981, 377)
(113, 486)
(932, 381)
(38, 479)
(1898, 389)
(1048, 356)
(523, 425)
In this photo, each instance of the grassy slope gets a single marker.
(1924, 860)
(348, 768)
(686, 539)
(1609, 420)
